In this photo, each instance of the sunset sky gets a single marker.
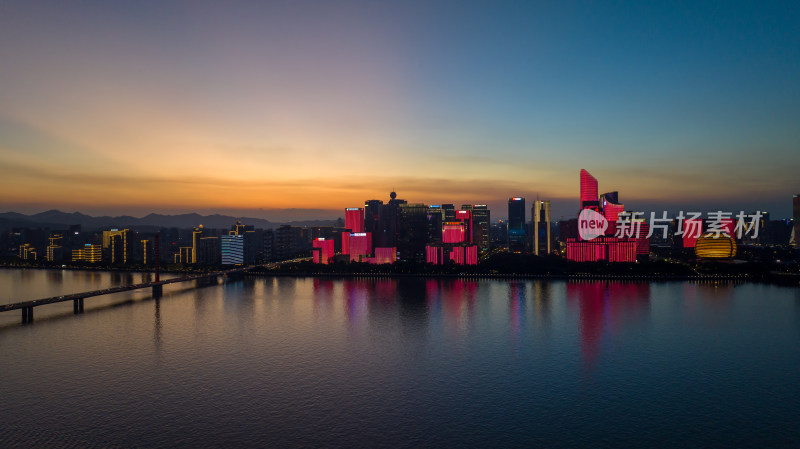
(297, 109)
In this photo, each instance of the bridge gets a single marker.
(77, 298)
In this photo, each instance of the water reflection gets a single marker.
(55, 276)
(458, 302)
(454, 307)
(286, 287)
(157, 326)
(517, 301)
(356, 293)
(451, 305)
(323, 307)
(706, 302)
(542, 291)
(797, 310)
(239, 300)
(713, 292)
(605, 308)
(304, 362)
(523, 313)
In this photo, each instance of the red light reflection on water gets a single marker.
(605, 307)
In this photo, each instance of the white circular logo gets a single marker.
(591, 224)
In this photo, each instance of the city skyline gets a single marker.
(294, 111)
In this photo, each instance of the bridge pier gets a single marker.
(27, 315)
(77, 306)
(158, 290)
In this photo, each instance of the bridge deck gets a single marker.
(125, 288)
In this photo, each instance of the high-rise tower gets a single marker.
(796, 220)
(354, 219)
(481, 226)
(197, 234)
(540, 216)
(588, 191)
(516, 224)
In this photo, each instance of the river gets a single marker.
(408, 362)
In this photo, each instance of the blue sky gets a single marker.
(132, 107)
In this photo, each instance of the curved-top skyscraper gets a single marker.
(588, 190)
(609, 202)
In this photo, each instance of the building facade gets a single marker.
(796, 220)
(516, 224)
(540, 223)
(232, 249)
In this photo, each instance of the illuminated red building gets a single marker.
(464, 255)
(729, 226)
(434, 255)
(322, 250)
(611, 211)
(459, 255)
(384, 255)
(453, 232)
(622, 250)
(692, 229)
(611, 207)
(360, 246)
(354, 219)
(609, 249)
(642, 241)
(345, 243)
(586, 251)
(588, 190)
(465, 217)
(457, 239)
(471, 255)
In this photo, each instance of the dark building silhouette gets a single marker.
(269, 245)
(412, 231)
(481, 227)
(449, 212)
(796, 219)
(776, 232)
(516, 224)
(435, 220)
(568, 229)
(382, 220)
(289, 242)
(499, 233)
(208, 251)
(372, 216)
(390, 217)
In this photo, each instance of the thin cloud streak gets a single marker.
(82, 191)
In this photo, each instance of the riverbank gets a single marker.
(107, 268)
(401, 270)
(788, 280)
(576, 276)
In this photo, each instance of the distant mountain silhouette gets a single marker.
(56, 219)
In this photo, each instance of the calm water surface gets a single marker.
(288, 362)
